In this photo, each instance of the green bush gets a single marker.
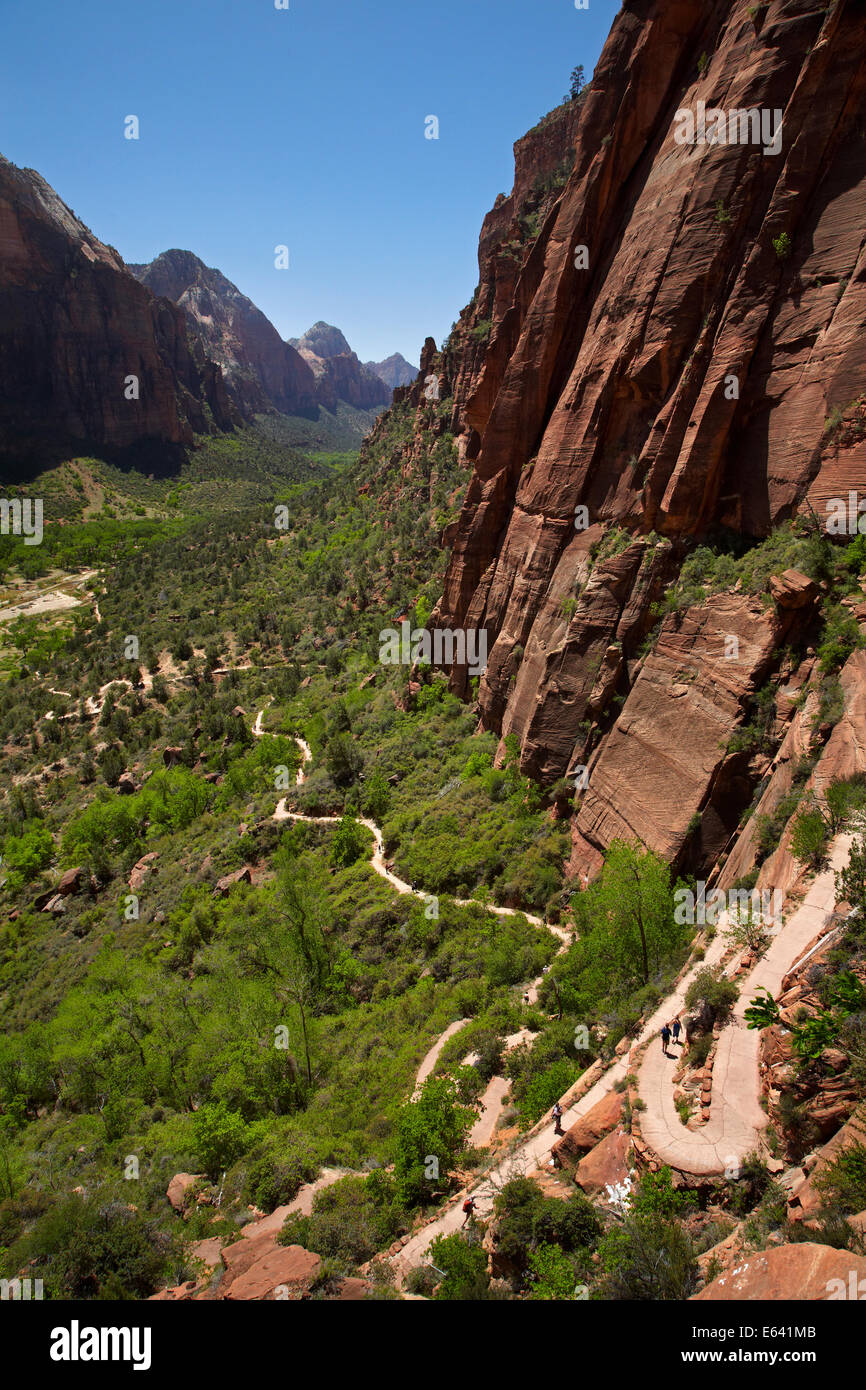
(711, 988)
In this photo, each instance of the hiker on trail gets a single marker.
(469, 1211)
(676, 1030)
(557, 1119)
(666, 1037)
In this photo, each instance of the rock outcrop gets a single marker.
(663, 332)
(802, 1272)
(87, 354)
(262, 371)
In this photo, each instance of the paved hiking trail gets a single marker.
(737, 1120)
(491, 1101)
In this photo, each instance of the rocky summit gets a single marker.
(433, 802)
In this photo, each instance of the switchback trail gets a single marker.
(737, 1120)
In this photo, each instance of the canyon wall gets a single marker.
(661, 334)
(75, 326)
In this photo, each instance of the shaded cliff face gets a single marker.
(660, 333)
(261, 370)
(75, 325)
(338, 372)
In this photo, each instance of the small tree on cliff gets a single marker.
(577, 82)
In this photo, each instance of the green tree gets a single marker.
(627, 916)
(552, 1274)
(433, 1126)
(377, 795)
(349, 842)
(220, 1136)
(464, 1265)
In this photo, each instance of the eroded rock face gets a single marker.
(665, 761)
(261, 370)
(75, 325)
(677, 377)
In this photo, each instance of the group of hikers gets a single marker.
(669, 1031)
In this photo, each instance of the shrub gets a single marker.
(220, 1136)
(782, 246)
(711, 988)
(648, 1259)
(350, 1220)
(464, 1265)
(100, 1250)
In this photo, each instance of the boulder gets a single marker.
(72, 882)
(222, 885)
(789, 1273)
(605, 1166)
(791, 589)
(141, 869)
(126, 784)
(256, 1268)
(586, 1132)
(179, 1186)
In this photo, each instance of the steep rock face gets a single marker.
(261, 370)
(661, 333)
(664, 773)
(74, 325)
(338, 373)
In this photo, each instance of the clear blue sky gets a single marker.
(302, 127)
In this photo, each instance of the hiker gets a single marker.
(676, 1031)
(557, 1119)
(666, 1037)
(469, 1211)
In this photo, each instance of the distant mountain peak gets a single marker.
(323, 339)
(394, 371)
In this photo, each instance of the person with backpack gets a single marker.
(468, 1211)
(666, 1037)
(676, 1030)
(557, 1119)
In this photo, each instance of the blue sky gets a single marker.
(302, 127)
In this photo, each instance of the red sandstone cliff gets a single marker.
(75, 325)
(604, 380)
